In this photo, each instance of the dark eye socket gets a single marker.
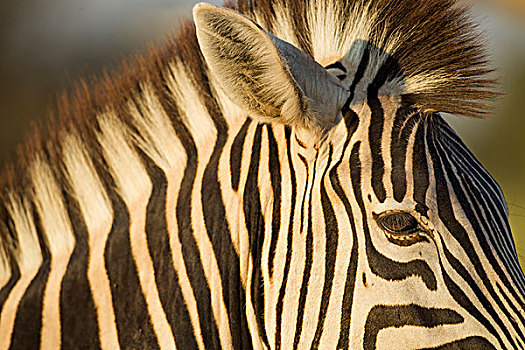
(399, 223)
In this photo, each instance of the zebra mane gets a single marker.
(98, 114)
(439, 66)
(435, 53)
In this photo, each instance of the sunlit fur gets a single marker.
(152, 211)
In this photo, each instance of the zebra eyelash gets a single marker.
(402, 228)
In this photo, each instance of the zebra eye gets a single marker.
(398, 222)
(401, 228)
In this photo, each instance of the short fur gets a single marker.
(436, 62)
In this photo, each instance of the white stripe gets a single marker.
(409, 165)
(235, 213)
(511, 265)
(203, 131)
(60, 241)
(29, 258)
(345, 244)
(96, 210)
(135, 187)
(189, 102)
(317, 269)
(272, 286)
(5, 270)
(159, 141)
(298, 247)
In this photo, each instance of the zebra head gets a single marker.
(390, 233)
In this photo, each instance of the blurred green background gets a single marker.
(46, 44)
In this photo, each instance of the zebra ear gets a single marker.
(269, 78)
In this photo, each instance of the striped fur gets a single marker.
(155, 213)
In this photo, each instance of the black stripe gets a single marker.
(337, 65)
(446, 214)
(466, 304)
(499, 234)
(308, 260)
(134, 326)
(303, 200)
(420, 170)
(28, 322)
(346, 310)
(332, 239)
(300, 143)
(15, 276)
(190, 250)
(183, 212)
(167, 281)
(75, 295)
(515, 310)
(351, 122)
(461, 297)
(220, 236)
(8, 232)
(375, 131)
(494, 222)
(479, 175)
(289, 238)
(383, 316)
(392, 270)
(275, 177)
(236, 154)
(300, 24)
(490, 187)
(255, 225)
(474, 343)
(13, 279)
(357, 78)
(460, 148)
(472, 186)
(384, 267)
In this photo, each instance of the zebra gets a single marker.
(278, 175)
